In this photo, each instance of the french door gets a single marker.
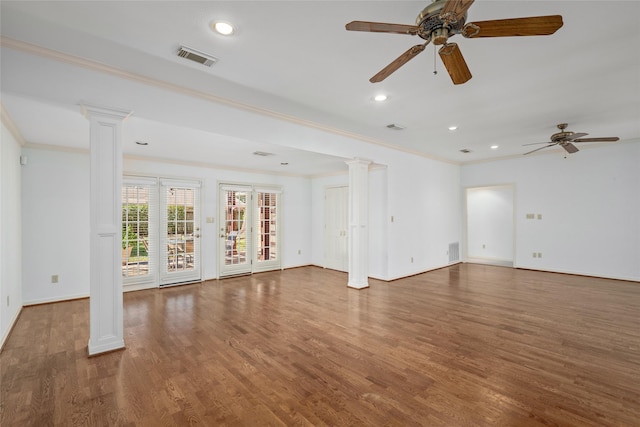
(179, 245)
(139, 231)
(249, 229)
(160, 232)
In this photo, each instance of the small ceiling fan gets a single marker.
(445, 18)
(566, 139)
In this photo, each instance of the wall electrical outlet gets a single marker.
(531, 216)
(539, 254)
(535, 255)
(299, 251)
(411, 260)
(539, 216)
(54, 278)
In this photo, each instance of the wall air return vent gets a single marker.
(454, 252)
(196, 56)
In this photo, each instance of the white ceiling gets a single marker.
(293, 82)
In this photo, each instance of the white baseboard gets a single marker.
(55, 299)
(12, 323)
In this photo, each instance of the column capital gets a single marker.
(358, 161)
(89, 111)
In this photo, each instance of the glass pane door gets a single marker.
(266, 227)
(136, 245)
(235, 243)
(180, 243)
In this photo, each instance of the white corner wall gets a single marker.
(589, 203)
(414, 214)
(55, 202)
(10, 230)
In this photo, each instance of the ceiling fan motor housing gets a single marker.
(432, 27)
(562, 135)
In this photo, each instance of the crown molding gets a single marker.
(8, 122)
(103, 68)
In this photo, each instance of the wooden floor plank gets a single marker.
(464, 345)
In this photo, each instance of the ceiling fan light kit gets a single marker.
(443, 19)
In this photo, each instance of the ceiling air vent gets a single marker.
(395, 126)
(196, 56)
(465, 151)
(262, 153)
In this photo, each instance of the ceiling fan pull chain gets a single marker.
(434, 61)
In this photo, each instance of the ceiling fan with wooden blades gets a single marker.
(567, 139)
(445, 18)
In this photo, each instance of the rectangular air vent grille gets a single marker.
(196, 56)
(454, 252)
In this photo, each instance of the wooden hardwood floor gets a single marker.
(464, 345)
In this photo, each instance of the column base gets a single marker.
(358, 285)
(112, 345)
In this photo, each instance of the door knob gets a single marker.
(197, 235)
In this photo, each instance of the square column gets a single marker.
(106, 332)
(358, 223)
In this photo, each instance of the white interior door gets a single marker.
(336, 254)
(179, 246)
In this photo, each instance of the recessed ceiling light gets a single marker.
(493, 147)
(223, 28)
(380, 98)
(142, 143)
(452, 128)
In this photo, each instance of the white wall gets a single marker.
(422, 195)
(55, 203)
(10, 230)
(589, 202)
(426, 204)
(55, 198)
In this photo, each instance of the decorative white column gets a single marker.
(105, 284)
(358, 223)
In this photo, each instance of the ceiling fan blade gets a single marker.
(381, 27)
(398, 62)
(570, 148)
(605, 139)
(575, 136)
(541, 148)
(535, 143)
(533, 26)
(454, 63)
(453, 10)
